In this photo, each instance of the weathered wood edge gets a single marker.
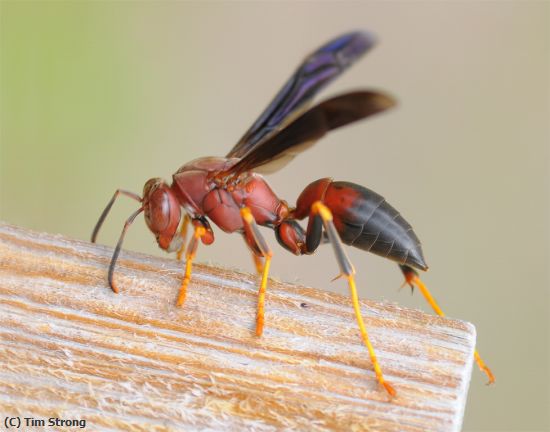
(419, 352)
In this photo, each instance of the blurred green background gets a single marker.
(101, 95)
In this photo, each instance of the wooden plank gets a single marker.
(70, 348)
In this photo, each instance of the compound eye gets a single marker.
(162, 214)
(157, 211)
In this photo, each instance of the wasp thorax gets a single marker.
(162, 211)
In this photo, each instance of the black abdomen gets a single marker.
(365, 220)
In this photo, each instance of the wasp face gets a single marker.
(162, 213)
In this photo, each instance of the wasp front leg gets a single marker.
(260, 248)
(202, 231)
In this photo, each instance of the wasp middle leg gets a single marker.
(259, 247)
(201, 231)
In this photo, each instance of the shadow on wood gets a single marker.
(71, 348)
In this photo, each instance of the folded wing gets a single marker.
(277, 149)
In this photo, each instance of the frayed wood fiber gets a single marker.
(71, 348)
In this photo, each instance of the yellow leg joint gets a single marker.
(321, 209)
(258, 263)
(246, 214)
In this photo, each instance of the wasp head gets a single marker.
(162, 213)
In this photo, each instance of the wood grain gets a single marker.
(71, 348)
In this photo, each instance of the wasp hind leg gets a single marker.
(413, 280)
(260, 247)
(318, 209)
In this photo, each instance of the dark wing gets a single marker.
(277, 149)
(316, 71)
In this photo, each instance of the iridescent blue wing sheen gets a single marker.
(316, 71)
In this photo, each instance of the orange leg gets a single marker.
(253, 231)
(258, 263)
(189, 257)
(411, 278)
(183, 234)
(348, 272)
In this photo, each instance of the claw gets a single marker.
(340, 276)
(389, 388)
(405, 283)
